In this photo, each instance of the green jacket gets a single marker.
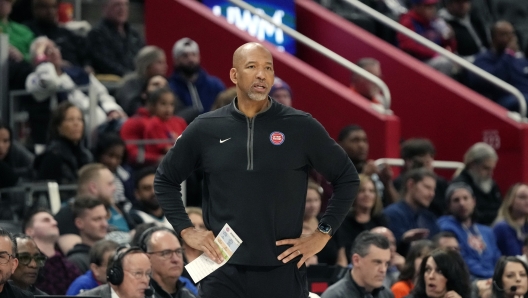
(20, 36)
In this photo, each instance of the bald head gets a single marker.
(243, 50)
(502, 34)
(252, 72)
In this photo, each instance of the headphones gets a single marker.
(114, 273)
(144, 239)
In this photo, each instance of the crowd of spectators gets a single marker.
(489, 34)
(416, 234)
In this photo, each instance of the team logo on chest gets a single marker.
(277, 138)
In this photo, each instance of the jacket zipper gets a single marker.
(250, 143)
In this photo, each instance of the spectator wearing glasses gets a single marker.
(30, 260)
(166, 256)
(8, 265)
(128, 275)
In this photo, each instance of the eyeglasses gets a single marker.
(25, 259)
(139, 274)
(167, 254)
(5, 257)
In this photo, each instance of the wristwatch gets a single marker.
(325, 228)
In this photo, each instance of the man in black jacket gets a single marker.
(113, 43)
(256, 156)
(471, 33)
(370, 259)
(480, 161)
(90, 217)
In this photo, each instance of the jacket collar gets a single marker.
(233, 108)
(161, 292)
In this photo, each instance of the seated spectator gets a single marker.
(470, 31)
(138, 231)
(447, 241)
(509, 278)
(365, 87)
(524, 256)
(95, 180)
(110, 151)
(189, 81)
(9, 262)
(20, 37)
(478, 245)
(100, 254)
(21, 13)
(409, 219)
(58, 273)
(224, 98)
(46, 23)
(128, 275)
(281, 92)
(511, 225)
(422, 19)
(480, 161)
(148, 209)
(196, 217)
(370, 259)
(149, 62)
(353, 139)
(503, 62)
(411, 269)
(163, 125)
(390, 8)
(134, 128)
(419, 153)
(90, 218)
(396, 262)
(65, 153)
(166, 256)
(113, 43)
(30, 260)
(312, 210)
(365, 214)
(443, 273)
(15, 159)
(51, 75)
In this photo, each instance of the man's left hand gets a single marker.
(307, 246)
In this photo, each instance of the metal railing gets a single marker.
(437, 164)
(15, 115)
(4, 75)
(458, 60)
(324, 51)
(29, 189)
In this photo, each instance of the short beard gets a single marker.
(189, 70)
(152, 204)
(257, 96)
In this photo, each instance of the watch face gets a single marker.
(325, 228)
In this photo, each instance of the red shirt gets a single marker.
(134, 129)
(158, 129)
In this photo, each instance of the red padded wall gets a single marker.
(428, 103)
(327, 100)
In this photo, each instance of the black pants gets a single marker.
(236, 281)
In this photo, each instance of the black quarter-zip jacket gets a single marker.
(255, 176)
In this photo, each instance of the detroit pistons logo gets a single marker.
(277, 138)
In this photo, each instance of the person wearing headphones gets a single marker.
(128, 275)
(166, 256)
(510, 279)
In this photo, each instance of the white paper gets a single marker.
(228, 242)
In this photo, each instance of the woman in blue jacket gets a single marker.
(511, 226)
